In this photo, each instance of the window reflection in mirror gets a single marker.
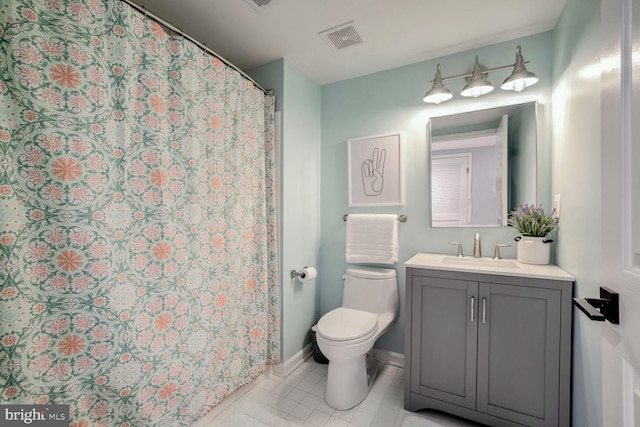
(483, 165)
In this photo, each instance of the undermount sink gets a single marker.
(480, 262)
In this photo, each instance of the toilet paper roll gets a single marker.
(307, 273)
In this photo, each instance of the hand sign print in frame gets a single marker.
(375, 170)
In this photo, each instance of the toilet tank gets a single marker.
(371, 289)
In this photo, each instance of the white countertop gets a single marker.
(503, 267)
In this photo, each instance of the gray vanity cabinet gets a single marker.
(491, 348)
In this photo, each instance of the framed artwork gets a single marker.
(376, 175)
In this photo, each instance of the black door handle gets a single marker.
(607, 307)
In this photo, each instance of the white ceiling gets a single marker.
(395, 32)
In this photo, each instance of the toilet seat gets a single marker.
(346, 325)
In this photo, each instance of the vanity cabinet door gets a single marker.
(443, 339)
(519, 353)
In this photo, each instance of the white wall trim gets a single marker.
(285, 369)
(389, 357)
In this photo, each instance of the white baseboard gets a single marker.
(389, 357)
(285, 369)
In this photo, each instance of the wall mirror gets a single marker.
(483, 165)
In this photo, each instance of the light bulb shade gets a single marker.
(438, 92)
(520, 78)
(437, 95)
(478, 84)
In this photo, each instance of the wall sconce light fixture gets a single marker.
(477, 83)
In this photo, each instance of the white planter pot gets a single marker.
(534, 250)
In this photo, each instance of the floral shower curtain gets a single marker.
(138, 264)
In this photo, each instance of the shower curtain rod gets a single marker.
(202, 46)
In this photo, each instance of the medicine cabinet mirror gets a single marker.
(483, 165)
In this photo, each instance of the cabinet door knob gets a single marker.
(484, 310)
(473, 303)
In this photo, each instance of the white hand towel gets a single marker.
(372, 239)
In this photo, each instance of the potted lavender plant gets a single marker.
(534, 226)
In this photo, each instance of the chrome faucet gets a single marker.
(477, 251)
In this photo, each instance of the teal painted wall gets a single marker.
(271, 77)
(577, 178)
(298, 99)
(391, 101)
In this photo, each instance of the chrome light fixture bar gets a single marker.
(477, 83)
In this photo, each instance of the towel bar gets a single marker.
(401, 218)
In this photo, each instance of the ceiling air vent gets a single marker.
(342, 36)
(259, 4)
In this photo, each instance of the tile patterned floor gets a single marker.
(298, 400)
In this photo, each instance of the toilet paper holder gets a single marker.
(300, 274)
(306, 274)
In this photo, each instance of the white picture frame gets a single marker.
(376, 170)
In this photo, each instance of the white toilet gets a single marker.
(347, 334)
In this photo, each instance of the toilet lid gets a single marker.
(344, 324)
